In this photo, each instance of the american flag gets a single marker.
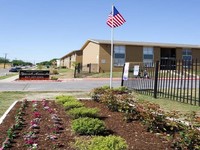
(115, 19)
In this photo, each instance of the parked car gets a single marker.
(15, 69)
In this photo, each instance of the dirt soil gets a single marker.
(63, 138)
(134, 133)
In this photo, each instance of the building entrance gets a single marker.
(167, 58)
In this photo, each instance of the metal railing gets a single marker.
(173, 79)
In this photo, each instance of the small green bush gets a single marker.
(83, 112)
(62, 99)
(55, 71)
(101, 143)
(54, 78)
(97, 92)
(121, 90)
(88, 126)
(72, 104)
(188, 139)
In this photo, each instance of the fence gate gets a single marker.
(175, 79)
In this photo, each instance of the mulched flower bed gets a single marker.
(134, 133)
(63, 138)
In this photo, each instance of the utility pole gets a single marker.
(5, 60)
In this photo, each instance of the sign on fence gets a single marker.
(126, 70)
(136, 70)
(178, 80)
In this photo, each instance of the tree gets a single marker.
(3, 60)
(21, 63)
(48, 63)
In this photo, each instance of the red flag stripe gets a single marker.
(116, 19)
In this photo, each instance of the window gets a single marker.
(119, 55)
(148, 56)
(187, 57)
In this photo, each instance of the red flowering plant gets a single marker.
(50, 110)
(30, 140)
(44, 102)
(36, 115)
(34, 124)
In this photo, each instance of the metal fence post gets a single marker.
(122, 81)
(156, 80)
(90, 65)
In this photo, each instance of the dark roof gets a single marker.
(172, 45)
(71, 53)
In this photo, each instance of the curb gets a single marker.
(69, 79)
(7, 111)
(89, 79)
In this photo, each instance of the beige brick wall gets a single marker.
(100, 54)
(79, 57)
(104, 58)
(91, 55)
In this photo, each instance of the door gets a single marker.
(168, 59)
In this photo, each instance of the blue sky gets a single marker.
(39, 30)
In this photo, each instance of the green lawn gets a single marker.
(69, 73)
(169, 105)
(7, 98)
(100, 75)
(63, 73)
(8, 76)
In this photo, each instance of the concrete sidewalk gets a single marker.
(10, 79)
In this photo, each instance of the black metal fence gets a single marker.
(175, 79)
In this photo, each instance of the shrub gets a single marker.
(62, 99)
(88, 126)
(72, 104)
(54, 78)
(83, 112)
(102, 143)
(54, 71)
(188, 139)
(121, 90)
(110, 100)
(97, 92)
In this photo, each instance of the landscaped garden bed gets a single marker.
(42, 127)
(110, 121)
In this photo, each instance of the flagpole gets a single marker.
(111, 55)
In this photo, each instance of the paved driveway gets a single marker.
(69, 85)
(3, 72)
